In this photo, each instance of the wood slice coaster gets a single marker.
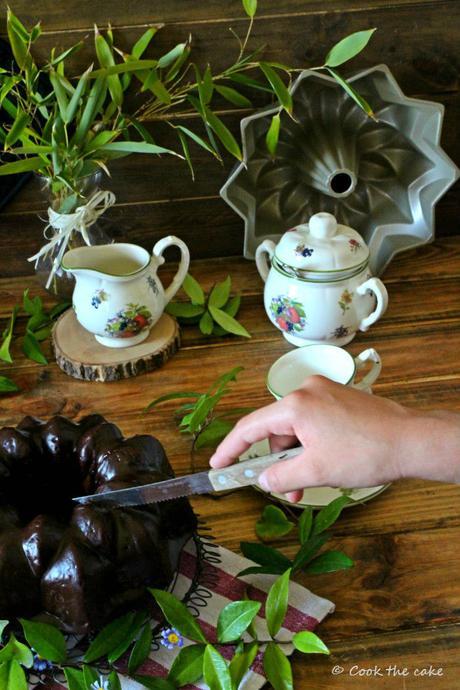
(80, 355)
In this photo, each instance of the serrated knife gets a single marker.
(233, 477)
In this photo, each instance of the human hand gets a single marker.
(350, 438)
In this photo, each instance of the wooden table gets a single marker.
(400, 605)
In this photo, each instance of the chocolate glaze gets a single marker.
(82, 564)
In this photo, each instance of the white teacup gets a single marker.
(290, 370)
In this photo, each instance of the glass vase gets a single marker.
(63, 200)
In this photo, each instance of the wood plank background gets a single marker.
(418, 40)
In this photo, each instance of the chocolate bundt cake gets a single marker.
(82, 564)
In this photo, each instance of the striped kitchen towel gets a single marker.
(218, 586)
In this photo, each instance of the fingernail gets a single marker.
(211, 460)
(263, 482)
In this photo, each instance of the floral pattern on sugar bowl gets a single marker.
(330, 283)
(288, 314)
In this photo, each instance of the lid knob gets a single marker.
(323, 225)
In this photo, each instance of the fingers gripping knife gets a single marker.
(233, 477)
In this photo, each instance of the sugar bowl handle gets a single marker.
(178, 279)
(378, 288)
(264, 250)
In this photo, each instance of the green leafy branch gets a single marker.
(215, 313)
(312, 536)
(198, 417)
(38, 329)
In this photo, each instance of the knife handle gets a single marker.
(247, 473)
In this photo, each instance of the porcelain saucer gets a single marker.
(317, 497)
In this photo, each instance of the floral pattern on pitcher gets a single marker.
(346, 298)
(340, 332)
(129, 322)
(153, 285)
(288, 314)
(99, 297)
(354, 245)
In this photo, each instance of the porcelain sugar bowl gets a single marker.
(319, 288)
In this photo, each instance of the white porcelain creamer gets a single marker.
(319, 288)
(118, 296)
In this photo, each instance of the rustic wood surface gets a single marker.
(418, 39)
(400, 605)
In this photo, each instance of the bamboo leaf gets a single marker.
(249, 82)
(18, 38)
(183, 309)
(65, 54)
(233, 96)
(220, 293)
(197, 139)
(272, 136)
(250, 7)
(155, 85)
(105, 56)
(21, 166)
(278, 86)
(77, 95)
(20, 123)
(348, 88)
(224, 134)
(206, 324)
(137, 147)
(60, 92)
(193, 289)
(171, 55)
(348, 48)
(96, 94)
(143, 42)
(121, 68)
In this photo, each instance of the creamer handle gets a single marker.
(378, 288)
(266, 247)
(178, 279)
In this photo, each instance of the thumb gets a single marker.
(290, 475)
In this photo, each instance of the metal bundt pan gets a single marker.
(383, 178)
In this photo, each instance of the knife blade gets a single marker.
(241, 474)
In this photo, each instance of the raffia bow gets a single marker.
(62, 225)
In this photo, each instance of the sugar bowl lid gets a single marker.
(322, 245)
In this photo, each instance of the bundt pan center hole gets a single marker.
(342, 182)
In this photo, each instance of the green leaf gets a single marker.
(21, 166)
(137, 147)
(309, 643)
(90, 675)
(143, 42)
(277, 668)
(3, 624)
(233, 305)
(7, 337)
(15, 650)
(7, 385)
(328, 562)
(46, 640)
(121, 68)
(177, 615)
(187, 667)
(105, 56)
(109, 638)
(272, 136)
(329, 514)
(66, 53)
(31, 148)
(213, 433)
(308, 550)
(224, 134)
(220, 293)
(202, 410)
(250, 7)
(32, 350)
(12, 676)
(154, 84)
(171, 55)
(222, 380)
(131, 634)
(60, 91)
(265, 555)
(75, 679)
(76, 96)
(114, 681)
(95, 98)
(262, 570)
(348, 88)
(17, 128)
(305, 524)
(197, 139)
(273, 523)
(152, 683)
(206, 323)
(228, 323)
(249, 82)
(186, 150)
(277, 603)
(242, 662)
(215, 670)
(348, 47)
(184, 309)
(193, 289)
(234, 619)
(278, 86)
(172, 396)
(19, 38)
(141, 649)
(233, 96)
